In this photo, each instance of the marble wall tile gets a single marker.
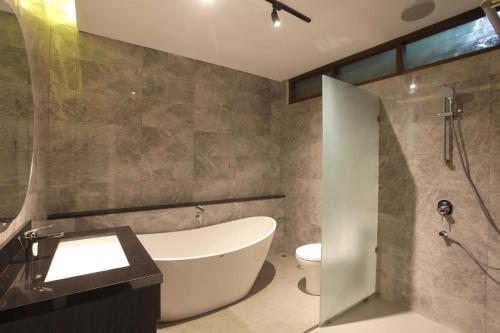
(34, 102)
(63, 52)
(279, 240)
(168, 141)
(102, 108)
(215, 214)
(62, 136)
(214, 167)
(104, 221)
(131, 126)
(156, 122)
(157, 113)
(94, 137)
(125, 168)
(157, 192)
(274, 208)
(251, 123)
(14, 99)
(264, 146)
(495, 62)
(108, 79)
(126, 193)
(14, 134)
(14, 63)
(168, 89)
(213, 144)
(64, 72)
(92, 167)
(11, 199)
(256, 168)
(215, 189)
(61, 168)
(495, 100)
(251, 187)
(165, 220)
(108, 51)
(64, 42)
(92, 196)
(62, 198)
(450, 73)
(62, 104)
(168, 220)
(172, 66)
(166, 166)
(214, 119)
(415, 266)
(494, 176)
(214, 75)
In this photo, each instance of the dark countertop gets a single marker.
(21, 295)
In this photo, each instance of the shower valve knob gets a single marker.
(444, 208)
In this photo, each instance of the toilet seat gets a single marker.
(309, 252)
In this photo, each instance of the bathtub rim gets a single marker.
(216, 254)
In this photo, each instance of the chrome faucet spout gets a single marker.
(32, 237)
(199, 215)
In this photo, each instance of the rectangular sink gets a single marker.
(85, 256)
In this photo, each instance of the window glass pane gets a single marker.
(462, 39)
(370, 68)
(307, 87)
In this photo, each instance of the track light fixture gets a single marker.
(275, 18)
(277, 6)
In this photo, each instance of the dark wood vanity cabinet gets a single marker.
(122, 300)
(134, 311)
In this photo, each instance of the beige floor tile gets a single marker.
(278, 304)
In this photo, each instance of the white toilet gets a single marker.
(309, 260)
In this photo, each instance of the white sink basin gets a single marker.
(86, 256)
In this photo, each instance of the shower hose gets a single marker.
(484, 208)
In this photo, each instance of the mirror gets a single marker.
(16, 117)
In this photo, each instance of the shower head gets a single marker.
(418, 10)
(488, 8)
(448, 92)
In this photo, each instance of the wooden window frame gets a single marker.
(398, 44)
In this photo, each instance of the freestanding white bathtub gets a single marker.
(206, 268)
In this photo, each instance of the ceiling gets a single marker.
(239, 34)
(4, 7)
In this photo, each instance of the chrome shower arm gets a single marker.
(488, 8)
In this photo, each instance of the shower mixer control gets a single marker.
(444, 208)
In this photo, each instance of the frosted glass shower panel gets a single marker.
(350, 196)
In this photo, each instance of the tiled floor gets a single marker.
(277, 304)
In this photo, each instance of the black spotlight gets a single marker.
(277, 6)
(275, 18)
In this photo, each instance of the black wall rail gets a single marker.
(68, 215)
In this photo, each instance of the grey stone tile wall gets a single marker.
(177, 219)
(416, 267)
(132, 126)
(16, 118)
(299, 128)
(30, 94)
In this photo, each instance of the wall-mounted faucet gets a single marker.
(444, 208)
(199, 215)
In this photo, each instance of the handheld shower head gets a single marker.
(448, 92)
